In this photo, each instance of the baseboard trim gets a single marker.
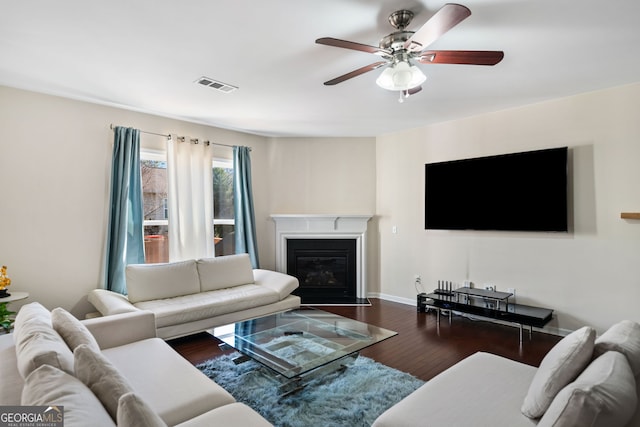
(393, 298)
(357, 302)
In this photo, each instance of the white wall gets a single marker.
(327, 176)
(588, 276)
(55, 160)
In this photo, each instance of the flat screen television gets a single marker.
(511, 192)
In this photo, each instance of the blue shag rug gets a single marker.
(351, 398)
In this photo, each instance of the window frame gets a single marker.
(224, 164)
(158, 156)
(161, 156)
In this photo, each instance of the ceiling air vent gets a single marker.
(222, 87)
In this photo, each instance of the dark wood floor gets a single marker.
(420, 348)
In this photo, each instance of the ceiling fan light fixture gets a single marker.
(401, 76)
(417, 77)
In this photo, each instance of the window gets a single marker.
(223, 222)
(153, 165)
(153, 168)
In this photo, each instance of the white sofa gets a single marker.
(109, 370)
(582, 381)
(195, 295)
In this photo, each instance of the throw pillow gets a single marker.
(47, 386)
(135, 412)
(604, 395)
(560, 366)
(28, 313)
(104, 380)
(37, 343)
(625, 338)
(72, 331)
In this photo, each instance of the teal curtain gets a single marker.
(245, 223)
(125, 240)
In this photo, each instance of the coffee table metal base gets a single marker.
(289, 386)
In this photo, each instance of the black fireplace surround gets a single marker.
(325, 268)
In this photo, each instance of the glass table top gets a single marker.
(295, 342)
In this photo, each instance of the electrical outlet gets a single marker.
(417, 283)
(489, 287)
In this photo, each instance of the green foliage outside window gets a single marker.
(223, 193)
(222, 198)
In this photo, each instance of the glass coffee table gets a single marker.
(299, 345)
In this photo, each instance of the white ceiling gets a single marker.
(145, 55)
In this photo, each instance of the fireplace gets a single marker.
(325, 268)
(330, 253)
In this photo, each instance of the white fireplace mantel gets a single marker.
(323, 226)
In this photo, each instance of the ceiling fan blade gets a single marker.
(446, 18)
(330, 41)
(355, 73)
(414, 90)
(466, 57)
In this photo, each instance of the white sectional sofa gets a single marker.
(192, 296)
(582, 381)
(109, 370)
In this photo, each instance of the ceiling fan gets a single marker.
(399, 50)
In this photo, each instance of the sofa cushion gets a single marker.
(37, 343)
(623, 337)
(481, 390)
(104, 380)
(234, 414)
(224, 272)
(47, 386)
(197, 326)
(560, 366)
(172, 386)
(135, 412)
(157, 281)
(12, 381)
(604, 395)
(72, 331)
(190, 308)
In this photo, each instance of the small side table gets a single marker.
(15, 296)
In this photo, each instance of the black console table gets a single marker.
(485, 303)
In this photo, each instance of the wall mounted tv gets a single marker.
(510, 192)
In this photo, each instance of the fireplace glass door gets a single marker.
(324, 267)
